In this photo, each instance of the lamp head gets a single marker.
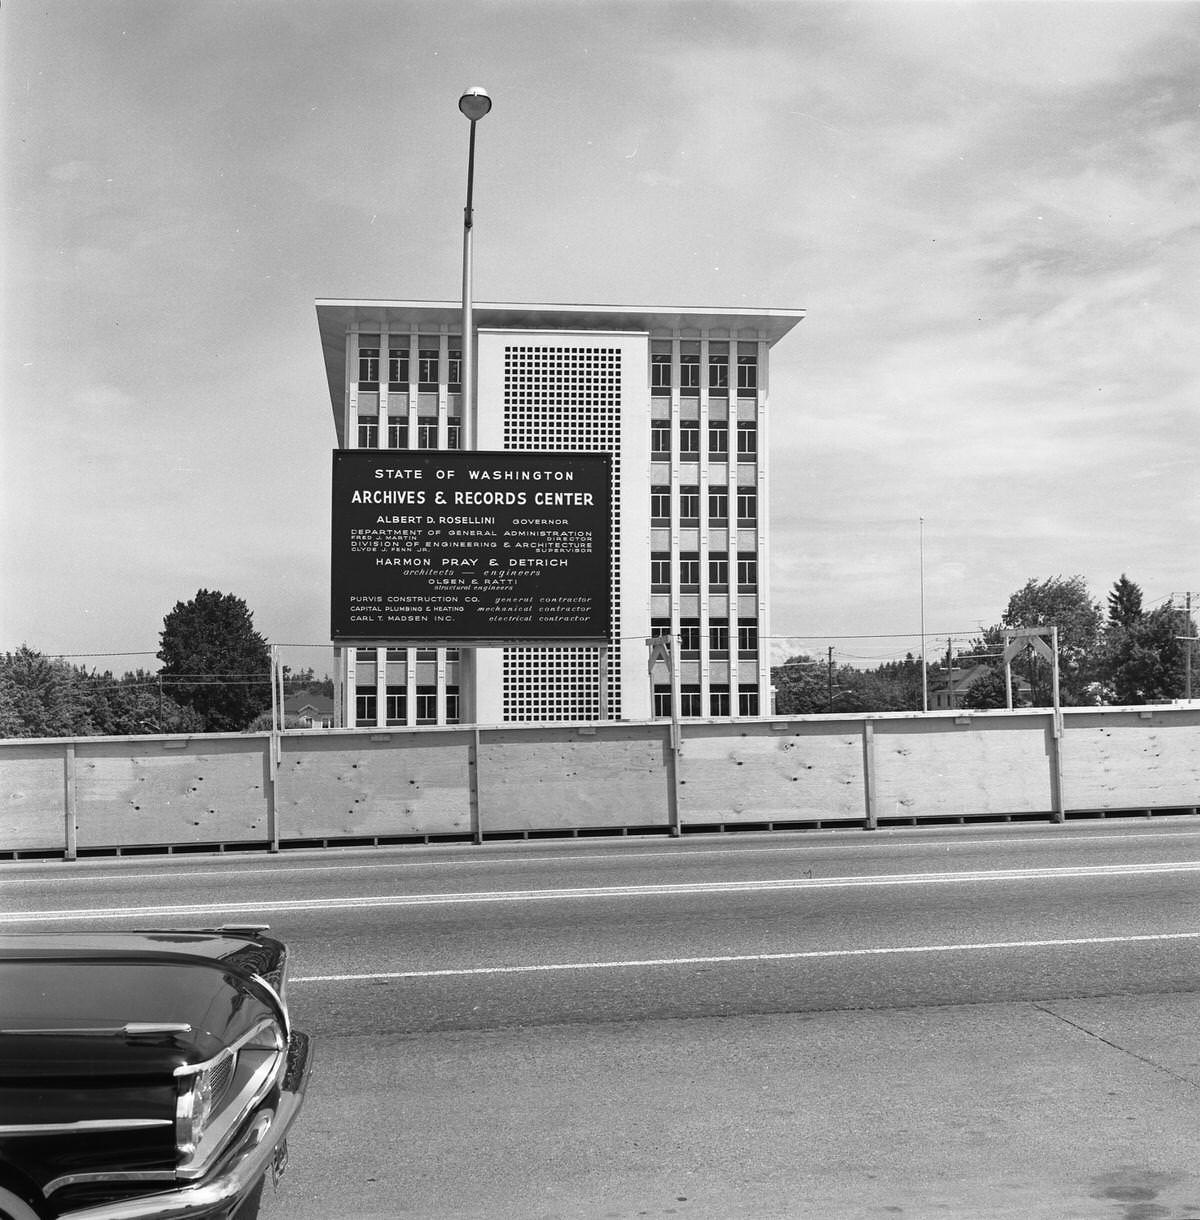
(475, 103)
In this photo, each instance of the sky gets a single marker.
(989, 211)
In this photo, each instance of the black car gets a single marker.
(144, 1074)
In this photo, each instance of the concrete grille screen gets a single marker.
(565, 398)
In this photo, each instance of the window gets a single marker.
(427, 430)
(426, 654)
(427, 369)
(660, 374)
(747, 438)
(364, 706)
(689, 437)
(689, 700)
(453, 434)
(747, 505)
(660, 503)
(368, 431)
(747, 571)
(368, 360)
(662, 701)
(660, 570)
(718, 701)
(718, 504)
(747, 635)
(689, 369)
(747, 368)
(397, 654)
(453, 705)
(689, 568)
(689, 637)
(364, 656)
(452, 655)
(718, 637)
(689, 503)
(718, 571)
(748, 702)
(398, 368)
(660, 438)
(427, 705)
(718, 368)
(397, 703)
(718, 439)
(454, 368)
(397, 432)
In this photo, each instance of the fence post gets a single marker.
(473, 782)
(673, 751)
(1057, 795)
(872, 822)
(70, 805)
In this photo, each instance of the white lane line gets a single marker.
(606, 891)
(94, 866)
(736, 958)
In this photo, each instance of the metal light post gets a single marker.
(475, 103)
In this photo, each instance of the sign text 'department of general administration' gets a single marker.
(471, 548)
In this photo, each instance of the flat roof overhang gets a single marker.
(335, 318)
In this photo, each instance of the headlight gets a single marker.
(200, 1098)
(214, 1097)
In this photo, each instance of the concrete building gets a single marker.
(679, 397)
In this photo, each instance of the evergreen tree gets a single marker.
(1124, 603)
(215, 662)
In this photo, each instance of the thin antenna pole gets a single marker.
(924, 674)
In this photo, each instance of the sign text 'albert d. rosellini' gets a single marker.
(465, 548)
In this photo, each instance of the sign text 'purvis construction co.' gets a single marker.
(464, 548)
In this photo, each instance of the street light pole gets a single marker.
(474, 103)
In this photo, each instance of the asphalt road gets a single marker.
(934, 1022)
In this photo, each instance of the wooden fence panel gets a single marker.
(161, 790)
(806, 771)
(1144, 758)
(932, 766)
(351, 784)
(33, 796)
(572, 779)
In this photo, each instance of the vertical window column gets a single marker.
(380, 687)
(414, 414)
(676, 517)
(702, 356)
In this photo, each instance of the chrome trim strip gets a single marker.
(194, 1069)
(116, 1175)
(283, 1008)
(85, 1124)
(132, 1029)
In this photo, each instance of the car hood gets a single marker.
(99, 1002)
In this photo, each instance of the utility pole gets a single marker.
(950, 672)
(1189, 640)
(829, 665)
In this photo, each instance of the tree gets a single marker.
(43, 696)
(800, 686)
(1066, 604)
(1144, 660)
(215, 662)
(1124, 603)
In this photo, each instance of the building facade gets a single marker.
(679, 398)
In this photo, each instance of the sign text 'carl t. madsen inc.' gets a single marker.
(461, 547)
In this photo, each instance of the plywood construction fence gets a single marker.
(468, 782)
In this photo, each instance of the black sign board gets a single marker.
(471, 548)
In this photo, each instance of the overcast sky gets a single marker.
(990, 212)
